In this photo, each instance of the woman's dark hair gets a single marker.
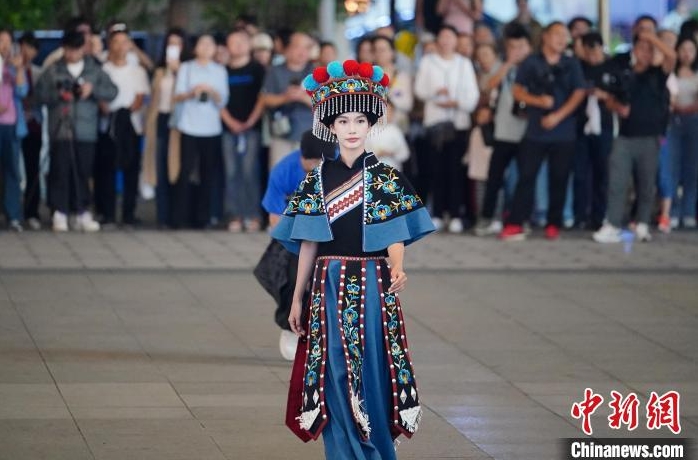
(690, 27)
(28, 38)
(687, 38)
(644, 17)
(185, 54)
(372, 118)
(379, 38)
(446, 27)
(360, 43)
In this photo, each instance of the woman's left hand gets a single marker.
(398, 278)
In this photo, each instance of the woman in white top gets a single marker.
(447, 84)
(683, 140)
(157, 129)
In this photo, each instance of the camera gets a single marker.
(542, 84)
(617, 84)
(203, 97)
(71, 86)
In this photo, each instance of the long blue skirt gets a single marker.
(341, 436)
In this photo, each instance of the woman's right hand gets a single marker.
(294, 318)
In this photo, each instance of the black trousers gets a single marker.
(69, 175)
(591, 177)
(191, 195)
(502, 155)
(118, 150)
(449, 177)
(31, 150)
(531, 156)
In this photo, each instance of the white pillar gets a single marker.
(327, 14)
(605, 22)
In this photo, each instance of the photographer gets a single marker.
(643, 119)
(551, 86)
(72, 88)
(201, 91)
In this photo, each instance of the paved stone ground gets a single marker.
(156, 345)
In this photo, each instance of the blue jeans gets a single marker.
(591, 177)
(242, 174)
(682, 142)
(9, 161)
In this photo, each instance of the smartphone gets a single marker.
(172, 52)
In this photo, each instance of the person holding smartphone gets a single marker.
(202, 90)
(13, 88)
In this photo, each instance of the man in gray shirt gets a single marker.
(286, 100)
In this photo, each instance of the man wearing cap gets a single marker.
(283, 182)
(72, 88)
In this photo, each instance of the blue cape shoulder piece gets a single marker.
(392, 211)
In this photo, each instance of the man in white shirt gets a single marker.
(125, 125)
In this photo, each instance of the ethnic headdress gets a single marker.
(346, 87)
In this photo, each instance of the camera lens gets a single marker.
(203, 97)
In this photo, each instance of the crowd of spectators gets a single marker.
(502, 128)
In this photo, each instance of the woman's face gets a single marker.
(687, 53)
(351, 130)
(447, 41)
(205, 48)
(365, 52)
(383, 53)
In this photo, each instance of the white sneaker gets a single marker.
(86, 223)
(455, 226)
(60, 222)
(642, 232)
(607, 234)
(689, 222)
(438, 223)
(34, 223)
(288, 341)
(489, 228)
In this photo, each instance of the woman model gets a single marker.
(350, 221)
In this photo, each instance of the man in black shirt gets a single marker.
(643, 119)
(551, 86)
(241, 138)
(594, 136)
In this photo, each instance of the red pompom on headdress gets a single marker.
(385, 81)
(351, 67)
(366, 69)
(320, 75)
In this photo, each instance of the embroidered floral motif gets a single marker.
(351, 331)
(308, 199)
(389, 196)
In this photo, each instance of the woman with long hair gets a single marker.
(350, 220)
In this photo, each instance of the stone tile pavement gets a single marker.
(156, 345)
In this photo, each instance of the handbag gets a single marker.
(441, 133)
(280, 124)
